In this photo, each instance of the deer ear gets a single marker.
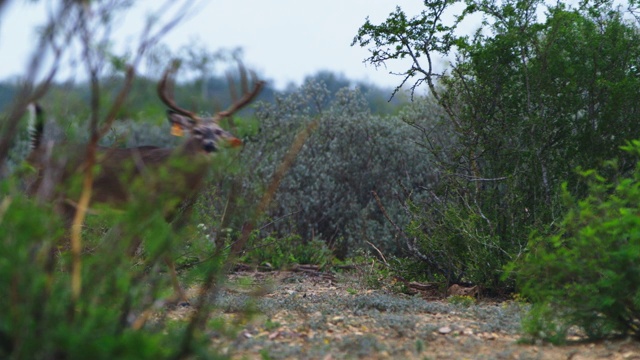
(179, 123)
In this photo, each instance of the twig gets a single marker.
(379, 253)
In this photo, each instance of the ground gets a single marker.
(302, 316)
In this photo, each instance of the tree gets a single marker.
(528, 101)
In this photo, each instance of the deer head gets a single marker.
(205, 134)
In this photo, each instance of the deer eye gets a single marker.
(218, 132)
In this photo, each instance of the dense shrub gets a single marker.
(588, 273)
(327, 194)
(449, 232)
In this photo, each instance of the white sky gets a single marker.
(285, 40)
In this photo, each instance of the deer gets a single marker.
(118, 168)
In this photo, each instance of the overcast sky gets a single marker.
(285, 40)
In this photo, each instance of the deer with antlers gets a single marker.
(119, 168)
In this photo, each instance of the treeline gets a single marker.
(70, 98)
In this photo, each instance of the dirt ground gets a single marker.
(298, 316)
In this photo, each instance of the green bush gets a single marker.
(528, 99)
(452, 236)
(41, 318)
(588, 273)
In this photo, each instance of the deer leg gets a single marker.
(179, 296)
(178, 219)
(134, 248)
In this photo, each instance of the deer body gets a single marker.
(112, 184)
(118, 169)
(114, 187)
(153, 175)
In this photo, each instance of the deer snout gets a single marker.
(228, 140)
(209, 146)
(234, 142)
(212, 146)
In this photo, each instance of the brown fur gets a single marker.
(186, 165)
(457, 290)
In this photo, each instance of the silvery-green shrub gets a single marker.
(328, 192)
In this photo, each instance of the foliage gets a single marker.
(42, 319)
(328, 193)
(526, 101)
(120, 290)
(461, 300)
(454, 243)
(588, 273)
(280, 253)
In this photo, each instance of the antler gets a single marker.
(167, 99)
(247, 96)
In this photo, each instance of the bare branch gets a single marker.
(29, 92)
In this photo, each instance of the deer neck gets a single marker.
(191, 147)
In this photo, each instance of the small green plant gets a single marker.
(271, 325)
(352, 291)
(41, 316)
(280, 253)
(542, 322)
(461, 300)
(518, 298)
(376, 274)
(587, 274)
(264, 354)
